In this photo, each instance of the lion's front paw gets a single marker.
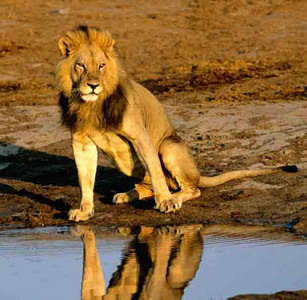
(81, 230)
(170, 230)
(80, 215)
(120, 198)
(169, 205)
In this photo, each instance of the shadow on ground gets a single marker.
(27, 171)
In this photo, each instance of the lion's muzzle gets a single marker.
(89, 97)
(91, 91)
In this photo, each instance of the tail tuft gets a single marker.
(290, 169)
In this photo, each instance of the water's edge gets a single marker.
(188, 262)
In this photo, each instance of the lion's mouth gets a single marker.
(89, 97)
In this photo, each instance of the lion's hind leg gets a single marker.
(178, 161)
(178, 198)
(140, 192)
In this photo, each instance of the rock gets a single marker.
(301, 227)
(62, 11)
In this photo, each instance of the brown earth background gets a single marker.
(231, 75)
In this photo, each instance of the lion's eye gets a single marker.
(81, 66)
(101, 66)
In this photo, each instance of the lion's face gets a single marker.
(90, 69)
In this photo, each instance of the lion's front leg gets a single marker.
(93, 284)
(139, 137)
(85, 152)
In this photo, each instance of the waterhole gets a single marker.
(181, 262)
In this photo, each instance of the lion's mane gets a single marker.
(108, 110)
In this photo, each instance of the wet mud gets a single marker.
(39, 181)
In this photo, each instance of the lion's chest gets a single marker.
(120, 151)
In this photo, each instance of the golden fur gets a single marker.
(104, 108)
(78, 114)
(70, 45)
(157, 264)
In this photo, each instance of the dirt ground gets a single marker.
(284, 295)
(231, 75)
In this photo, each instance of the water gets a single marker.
(185, 262)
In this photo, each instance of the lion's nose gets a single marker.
(92, 85)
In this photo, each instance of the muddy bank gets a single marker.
(39, 180)
(231, 76)
(284, 295)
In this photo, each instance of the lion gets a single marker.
(104, 108)
(158, 263)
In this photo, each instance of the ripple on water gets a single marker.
(215, 266)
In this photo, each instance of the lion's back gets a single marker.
(156, 121)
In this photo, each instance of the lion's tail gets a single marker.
(220, 179)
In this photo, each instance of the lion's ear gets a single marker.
(65, 45)
(106, 41)
(109, 48)
(111, 45)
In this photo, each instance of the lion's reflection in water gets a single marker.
(158, 264)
